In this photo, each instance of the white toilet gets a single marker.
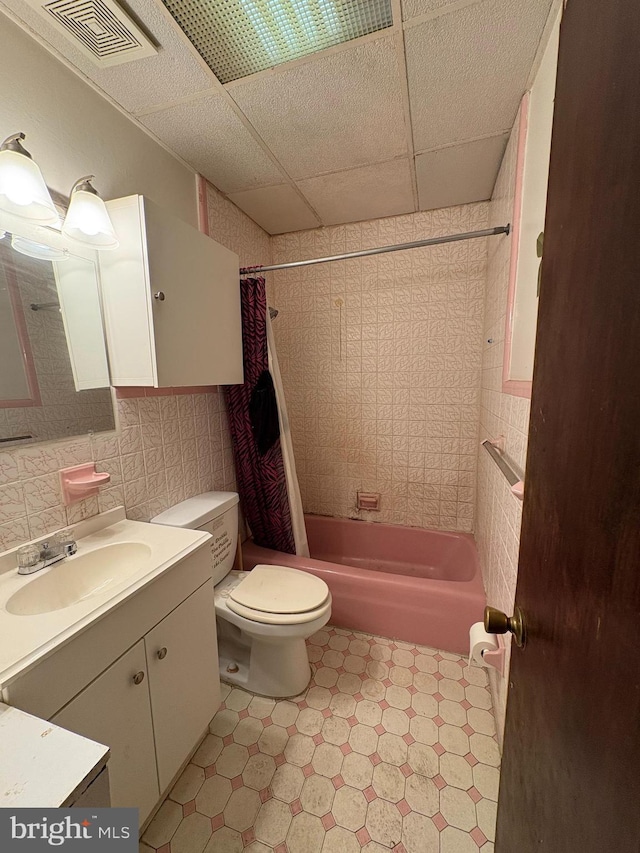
(264, 616)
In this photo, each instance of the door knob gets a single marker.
(138, 678)
(162, 653)
(497, 622)
(159, 296)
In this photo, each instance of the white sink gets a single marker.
(116, 559)
(78, 578)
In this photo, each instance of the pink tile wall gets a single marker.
(166, 449)
(499, 513)
(170, 443)
(381, 361)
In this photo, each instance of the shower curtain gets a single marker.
(286, 445)
(262, 480)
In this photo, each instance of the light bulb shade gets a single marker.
(88, 222)
(37, 250)
(23, 191)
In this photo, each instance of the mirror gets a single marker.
(532, 172)
(54, 376)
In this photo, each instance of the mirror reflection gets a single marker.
(54, 378)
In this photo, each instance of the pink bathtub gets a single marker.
(422, 586)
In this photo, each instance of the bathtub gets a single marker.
(421, 586)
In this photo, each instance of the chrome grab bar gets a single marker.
(494, 449)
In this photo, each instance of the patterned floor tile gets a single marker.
(392, 747)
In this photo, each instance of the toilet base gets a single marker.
(277, 667)
(279, 672)
(234, 650)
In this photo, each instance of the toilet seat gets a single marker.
(278, 595)
(278, 618)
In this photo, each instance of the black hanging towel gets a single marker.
(263, 413)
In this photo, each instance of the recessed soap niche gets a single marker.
(369, 501)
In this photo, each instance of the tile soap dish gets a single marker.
(81, 481)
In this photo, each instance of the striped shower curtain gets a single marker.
(261, 479)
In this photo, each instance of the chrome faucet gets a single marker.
(33, 558)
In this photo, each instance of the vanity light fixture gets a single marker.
(23, 191)
(87, 220)
(38, 250)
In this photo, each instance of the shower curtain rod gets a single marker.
(415, 244)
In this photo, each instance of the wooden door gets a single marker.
(115, 710)
(571, 771)
(182, 656)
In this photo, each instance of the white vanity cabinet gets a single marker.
(182, 658)
(171, 300)
(152, 705)
(116, 711)
(143, 680)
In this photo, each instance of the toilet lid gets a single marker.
(278, 589)
(281, 619)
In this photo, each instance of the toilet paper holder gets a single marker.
(496, 658)
(486, 650)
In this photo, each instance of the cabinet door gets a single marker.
(197, 326)
(126, 298)
(182, 658)
(116, 711)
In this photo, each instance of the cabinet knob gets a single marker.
(138, 678)
(159, 296)
(162, 653)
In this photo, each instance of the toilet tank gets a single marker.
(217, 514)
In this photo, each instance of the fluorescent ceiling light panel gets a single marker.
(240, 37)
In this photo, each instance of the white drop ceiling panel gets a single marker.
(370, 192)
(171, 74)
(326, 138)
(277, 209)
(460, 174)
(337, 111)
(467, 70)
(209, 135)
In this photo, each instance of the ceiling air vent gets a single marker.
(98, 28)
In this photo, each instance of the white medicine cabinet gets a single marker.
(171, 301)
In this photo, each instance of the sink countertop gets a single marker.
(26, 640)
(43, 765)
